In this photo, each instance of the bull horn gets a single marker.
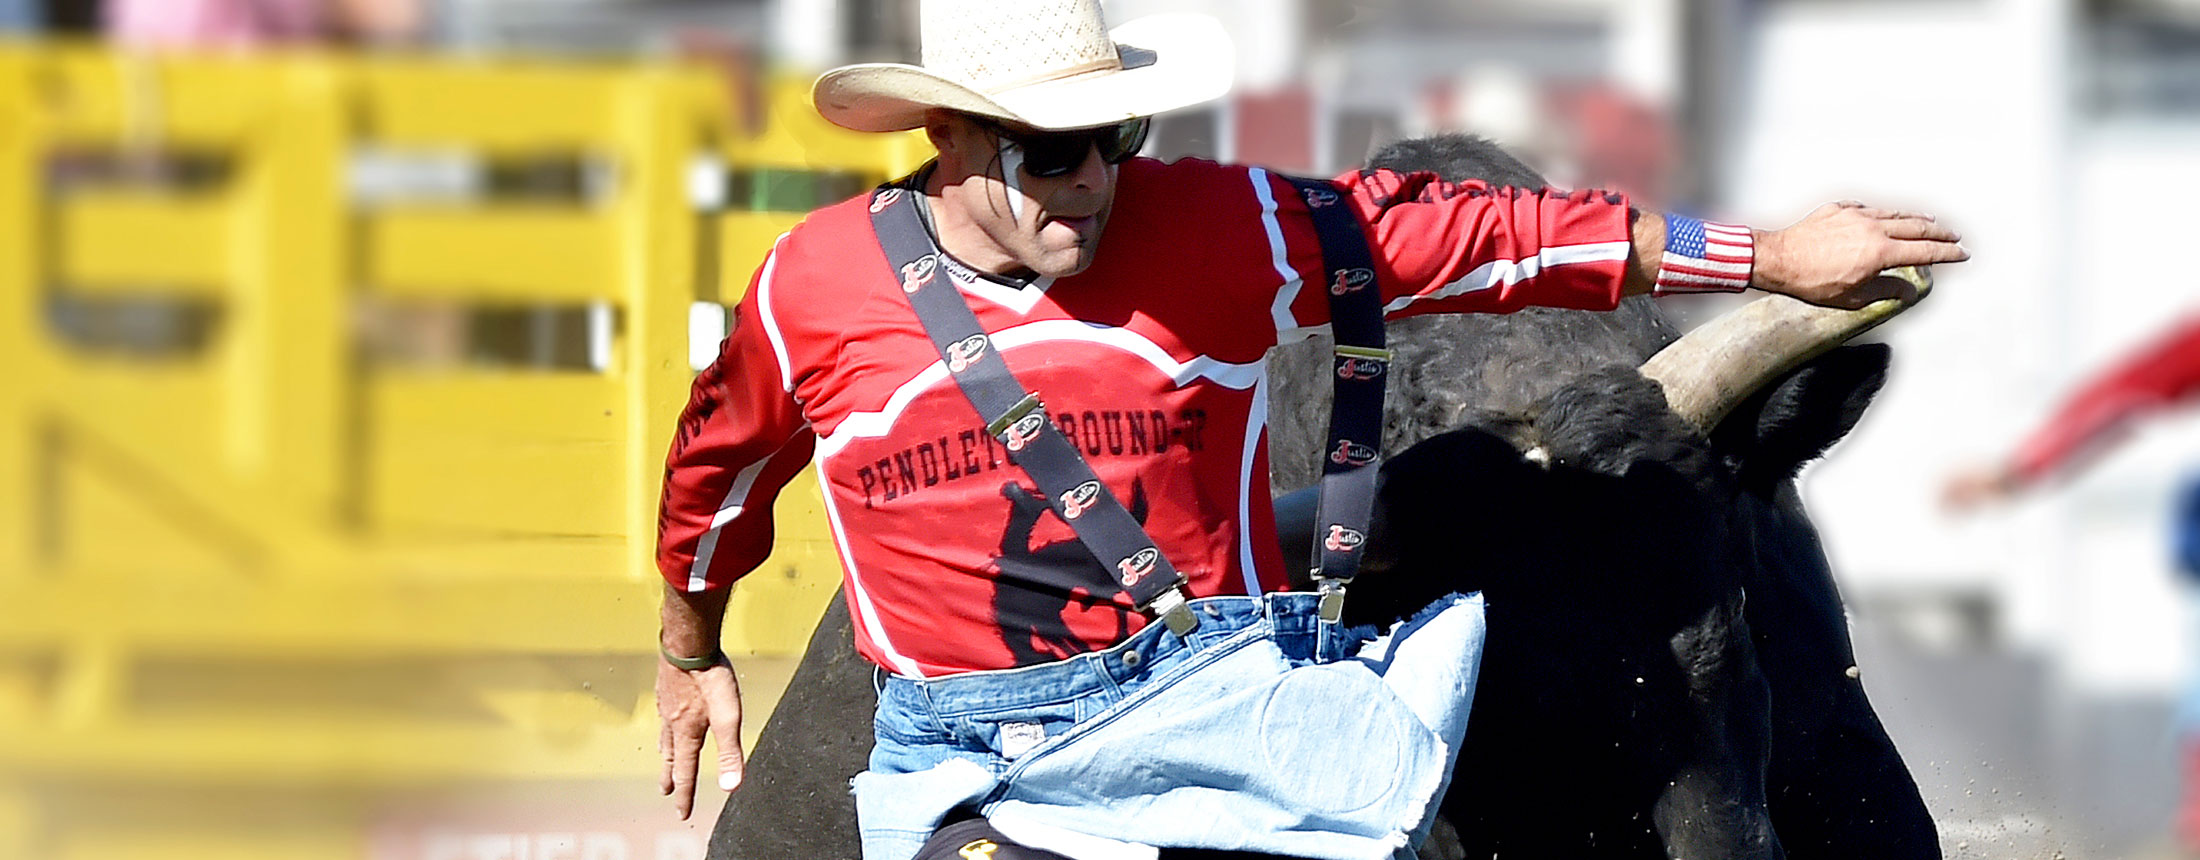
(1711, 370)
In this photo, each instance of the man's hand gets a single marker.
(1974, 487)
(689, 704)
(1833, 256)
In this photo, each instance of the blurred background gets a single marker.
(346, 337)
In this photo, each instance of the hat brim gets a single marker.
(1192, 61)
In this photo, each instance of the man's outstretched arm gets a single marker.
(1831, 257)
(1443, 247)
(2161, 375)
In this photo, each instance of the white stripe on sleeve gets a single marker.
(735, 503)
(1507, 272)
(771, 321)
(1280, 255)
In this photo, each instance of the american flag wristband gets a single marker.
(1704, 257)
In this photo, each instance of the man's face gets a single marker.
(1008, 220)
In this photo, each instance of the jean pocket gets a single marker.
(909, 727)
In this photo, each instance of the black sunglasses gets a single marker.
(1053, 153)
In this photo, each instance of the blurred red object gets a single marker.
(1621, 142)
(2188, 807)
(1276, 129)
(741, 65)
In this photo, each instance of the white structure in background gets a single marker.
(1268, 34)
(607, 27)
(2063, 139)
(1970, 109)
(1365, 66)
(806, 34)
(1490, 62)
(817, 34)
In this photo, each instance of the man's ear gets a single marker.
(939, 128)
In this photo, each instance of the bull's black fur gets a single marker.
(1620, 637)
(1624, 697)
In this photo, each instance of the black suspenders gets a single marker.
(1016, 417)
(1349, 464)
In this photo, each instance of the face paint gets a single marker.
(1012, 162)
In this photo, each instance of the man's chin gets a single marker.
(1062, 264)
(1068, 269)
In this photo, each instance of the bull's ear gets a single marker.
(1791, 422)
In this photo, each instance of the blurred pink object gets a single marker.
(2188, 808)
(215, 23)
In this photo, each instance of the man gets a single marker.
(1146, 351)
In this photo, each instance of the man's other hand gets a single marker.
(1973, 487)
(690, 704)
(1833, 256)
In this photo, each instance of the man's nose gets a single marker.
(1092, 172)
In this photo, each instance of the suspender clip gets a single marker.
(1174, 611)
(1015, 414)
(1332, 601)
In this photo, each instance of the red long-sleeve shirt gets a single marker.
(1151, 361)
(2165, 373)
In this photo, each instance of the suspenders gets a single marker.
(1356, 414)
(1018, 419)
(1015, 416)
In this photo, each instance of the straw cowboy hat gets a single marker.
(1048, 64)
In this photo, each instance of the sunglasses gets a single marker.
(1054, 153)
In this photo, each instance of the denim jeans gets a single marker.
(1237, 738)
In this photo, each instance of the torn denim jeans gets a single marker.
(1236, 738)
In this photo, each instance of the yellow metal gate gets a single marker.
(337, 402)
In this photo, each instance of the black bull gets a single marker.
(1632, 702)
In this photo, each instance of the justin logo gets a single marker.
(884, 199)
(1359, 368)
(1317, 198)
(1350, 453)
(1351, 281)
(964, 353)
(1136, 566)
(1024, 430)
(978, 849)
(919, 272)
(1079, 498)
(1342, 539)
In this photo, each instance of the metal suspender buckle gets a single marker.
(1359, 362)
(1020, 424)
(1174, 612)
(1332, 599)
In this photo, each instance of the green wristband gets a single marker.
(693, 664)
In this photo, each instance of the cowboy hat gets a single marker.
(1048, 64)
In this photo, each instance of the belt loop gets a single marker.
(931, 708)
(1096, 662)
(1327, 614)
